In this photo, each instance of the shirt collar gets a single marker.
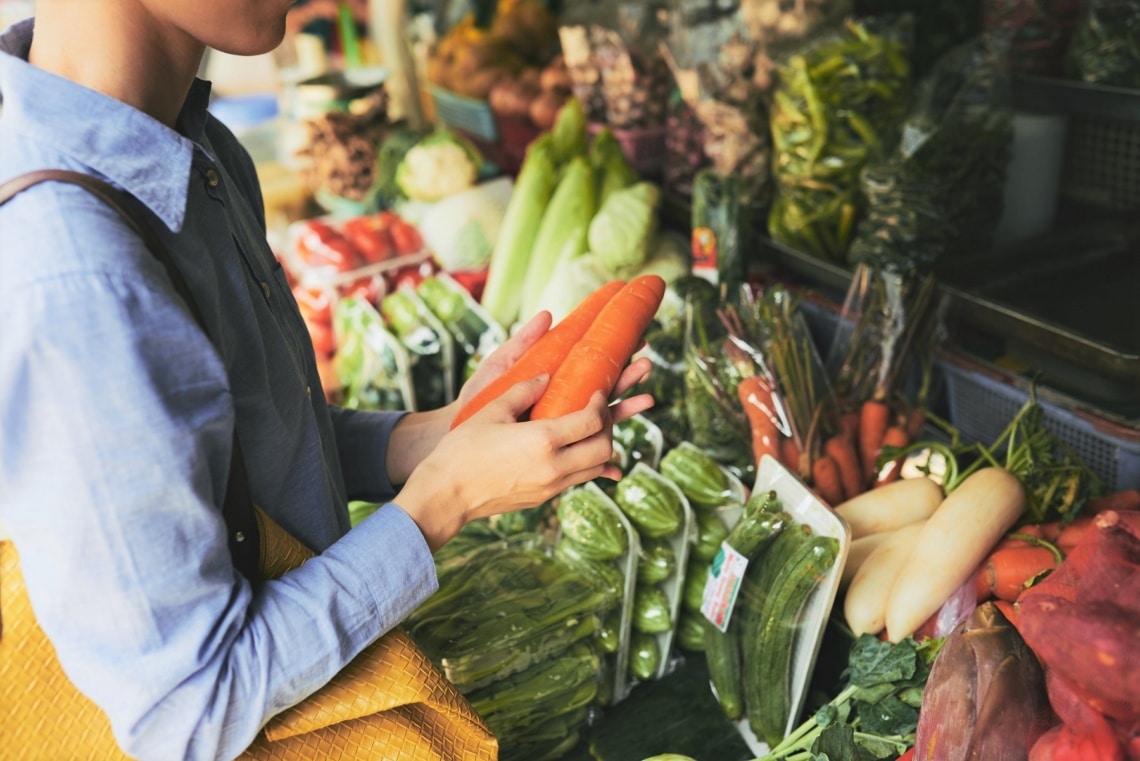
(143, 156)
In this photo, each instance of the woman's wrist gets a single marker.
(413, 438)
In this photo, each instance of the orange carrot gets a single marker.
(894, 437)
(755, 395)
(825, 478)
(873, 420)
(849, 425)
(1071, 535)
(1126, 499)
(596, 361)
(1006, 571)
(548, 352)
(842, 450)
(790, 455)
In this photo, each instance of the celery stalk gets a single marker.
(562, 233)
(502, 295)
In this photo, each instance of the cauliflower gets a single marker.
(438, 166)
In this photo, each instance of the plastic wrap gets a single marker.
(430, 347)
(941, 191)
(836, 108)
(881, 360)
(371, 364)
(659, 511)
(577, 543)
(1105, 47)
(723, 56)
(616, 70)
(511, 608)
(475, 333)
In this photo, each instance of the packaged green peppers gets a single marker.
(429, 345)
(837, 106)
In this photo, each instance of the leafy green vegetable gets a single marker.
(562, 233)
(502, 295)
(621, 231)
(568, 136)
(868, 719)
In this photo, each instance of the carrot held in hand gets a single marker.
(842, 450)
(874, 418)
(548, 352)
(596, 361)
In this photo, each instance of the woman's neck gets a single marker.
(118, 48)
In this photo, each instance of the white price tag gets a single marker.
(723, 585)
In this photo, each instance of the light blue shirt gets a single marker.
(117, 421)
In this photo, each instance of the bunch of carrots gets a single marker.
(886, 330)
(792, 412)
(584, 353)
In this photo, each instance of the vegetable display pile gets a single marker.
(514, 628)
(578, 218)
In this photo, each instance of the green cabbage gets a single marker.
(623, 228)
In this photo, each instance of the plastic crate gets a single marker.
(983, 399)
(1102, 163)
(468, 115)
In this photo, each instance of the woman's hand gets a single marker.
(495, 464)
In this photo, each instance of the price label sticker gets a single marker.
(723, 585)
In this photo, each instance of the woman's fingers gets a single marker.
(635, 372)
(627, 408)
(498, 361)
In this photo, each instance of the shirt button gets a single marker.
(265, 288)
(308, 392)
(212, 178)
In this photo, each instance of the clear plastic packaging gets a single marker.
(806, 510)
(837, 106)
(641, 439)
(641, 484)
(371, 364)
(616, 626)
(429, 344)
(475, 332)
(511, 608)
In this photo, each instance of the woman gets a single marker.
(119, 410)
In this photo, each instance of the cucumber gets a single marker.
(591, 525)
(697, 474)
(769, 654)
(753, 533)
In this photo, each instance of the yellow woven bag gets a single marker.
(390, 702)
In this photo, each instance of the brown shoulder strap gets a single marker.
(237, 509)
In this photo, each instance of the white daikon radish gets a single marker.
(858, 552)
(890, 507)
(865, 605)
(952, 544)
